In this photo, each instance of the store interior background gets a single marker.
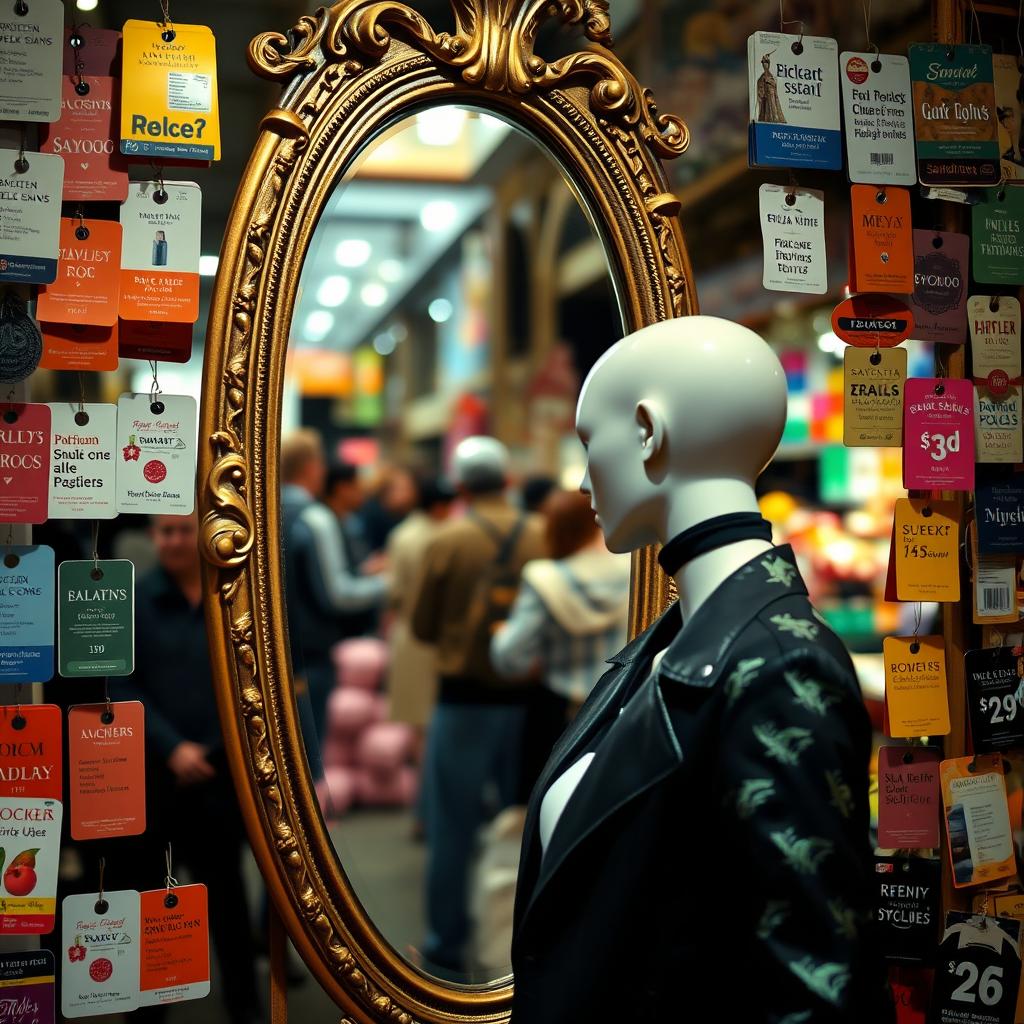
(457, 288)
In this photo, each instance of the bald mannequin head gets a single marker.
(679, 419)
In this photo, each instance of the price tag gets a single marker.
(30, 61)
(30, 191)
(908, 798)
(997, 236)
(997, 420)
(24, 462)
(938, 433)
(79, 347)
(940, 286)
(82, 463)
(995, 585)
(794, 101)
(873, 385)
(175, 945)
(977, 819)
(915, 686)
(994, 322)
(793, 232)
(26, 614)
(882, 241)
(160, 252)
(978, 970)
(155, 339)
(30, 751)
(27, 980)
(157, 468)
(100, 970)
(107, 770)
(88, 285)
(907, 904)
(999, 512)
(29, 856)
(872, 321)
(954, 114)
(1010, 112)
(927, 550)
(96, 617)
(995, 688)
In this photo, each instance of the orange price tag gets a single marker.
(916, 700)
(88, 285)
(30, 751)
(927, 539)
(175, 953)
(882, 240)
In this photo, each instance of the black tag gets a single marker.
(907, 906)
(993, 697)
(999, 510)
(21, 344)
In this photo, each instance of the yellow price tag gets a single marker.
(927, 539)
(915, 686)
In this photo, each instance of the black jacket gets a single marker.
(714, 863)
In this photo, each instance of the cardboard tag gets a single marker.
(79, 347)
(160, 252)
(872, 321)
(793, 233)
(927, 550)
(27, 980)
(878, 118)
(107, 769)
(26, 614)
(24, 462)
(907, 904)
(997, 420)
(100, 968)
(977, 819)
(30, 752)
(995, 687)
(155, 339)
(88, 286)
(978, 970)
(1010, 115)
(83, 466)
(954, 114)
(997, 237)
(940, 286)
(794, 101)
(30, 61)
(994, 323)
(873, 385)
(908, 798)
(882, 242)
(999, 512)
(175, 950)
(96, 617)
(915, 686)
(156, 472)
(938, 433)
(29, 216)
(86, 137)
(169, 92)
(994, 590)
(30, 852)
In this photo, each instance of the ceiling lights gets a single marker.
(207, 264)
(373, 294)
(87, 5)
(440, 311)
(440, 126)
(318, 325)
(352, 252)
(438, 215)
(333, 290)
(390, 271)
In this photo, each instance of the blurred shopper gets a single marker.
(468, 583)
(535, 491)
(568, 619)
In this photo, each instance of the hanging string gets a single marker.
(97, 572)
(21, 164)
(170, 899)
(168, 33)
(798, 46)
(102, 906)
(975, 22)
(868, 44)
(1020, 34)
(81, 417)
(76, 41)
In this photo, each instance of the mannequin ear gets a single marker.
(651, 425)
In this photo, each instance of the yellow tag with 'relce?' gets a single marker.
(927, 538)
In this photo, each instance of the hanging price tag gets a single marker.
(927, 536)
(82, 461)
(999, 511)
(872, 321)
(793, 231)
(908, 798)
(997, 420)
(100, 969)
(88, 285)
(24, 462)
(30, 752)
(155, 339)
(907, 904)
(96, 617)
(882, 242)
(1010, 112)
(938, 433)
(995, 585)
(995, 687)
(30, 61)
(175, 950)
(30, 190)
(915, 686)
(954, 114)
(873, 385)
(994, 322)
(997, 235)
(107, 770)
(940, 286)
(30, 854)
(79, 347)
(27, 980)
(26, 614)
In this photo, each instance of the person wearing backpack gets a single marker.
(466, 589)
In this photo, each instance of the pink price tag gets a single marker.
(938, 435)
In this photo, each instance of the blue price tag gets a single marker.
(27, 590)
(999, 512)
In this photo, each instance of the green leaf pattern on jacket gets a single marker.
(783, 745)
(775, 912)
(810, 694)
(823, 979)
(804, 854)
(779, 570)
(842, 795)
(741, 677)
(752, 794)
(803, 629)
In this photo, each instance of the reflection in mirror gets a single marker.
(450, 599)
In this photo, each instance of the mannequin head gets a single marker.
(679, 420)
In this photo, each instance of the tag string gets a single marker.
(1020, 35)
(917, 621)
(81, 392)
(975, 22)
(103, 868)
(165, 12)
(108, 714)
(783, 22)
(154, 387)
(866, 9)
(169, 879)
(76, 41)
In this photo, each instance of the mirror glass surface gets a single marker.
(444, 629)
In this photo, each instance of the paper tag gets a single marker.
(155, 339)
(954, 114)
(156, 472)
(997, 236)
(175, 950)
(882, 243)
(79, 347)
(872, 321)
(995, 688)
(938, 434)
(927, 550)
(915, 686)
(997, 420)
(169, 92)
(100, 966)
(85, 136)
(30, 61)
(24, 462)
(907, 902)
(26, 614)
(794, 239)
(794, 101)
(96, 617)
(88, 286)
(873, 385)
(977, 819)
(908, 798)
(994, 594)
(30, 854)
(999, 512)
(29, 216)
(940, 285)
(994, 323)
(107, 770)
(27, 980)
(160, 252)
(82, 461)
(1010, 114)
(30, 752)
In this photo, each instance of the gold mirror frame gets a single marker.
(349, 73)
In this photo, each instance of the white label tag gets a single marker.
(879, 118)
(794, 239)
(104, 977)
(30, 61)
(189, 91)
(995, 334)
(997, 420)
(30, 216)
(30, 840)
(156, 466)
(162, 235)
(995, 581)
(83, 469)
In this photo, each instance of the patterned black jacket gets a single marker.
(714, 863)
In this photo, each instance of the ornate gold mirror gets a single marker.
(358, 78)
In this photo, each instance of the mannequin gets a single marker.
(697, 846)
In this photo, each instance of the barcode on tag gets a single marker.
(995, 585)
(883, 159)
(995, 599)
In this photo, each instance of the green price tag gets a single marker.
(96, 617)
(997, 233)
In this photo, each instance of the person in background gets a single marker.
(568, 619)
(535, 491)
(392, 498)
(469, 578)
